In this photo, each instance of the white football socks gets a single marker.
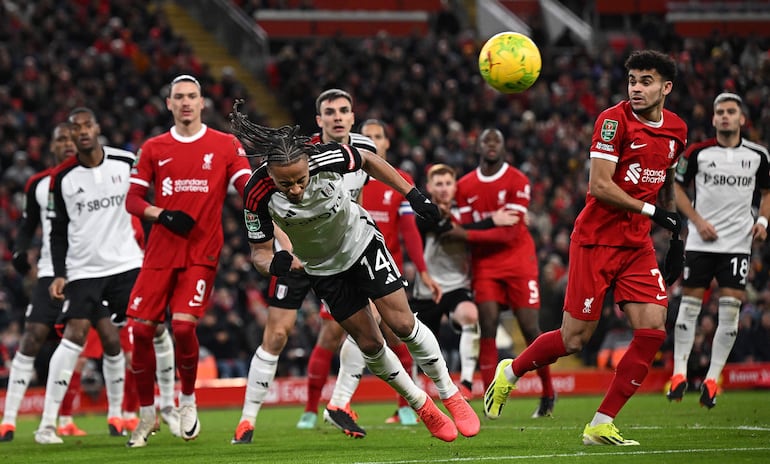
(469, 351)
(165, 371)
(60, 370)
(22, 369)
(385, 365)
(261, 375)
(114, 371)
(427, 354)
(352, 366)
(684, 332)
(724, 337)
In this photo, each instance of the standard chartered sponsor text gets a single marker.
(191, 185)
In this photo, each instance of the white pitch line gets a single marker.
(570, 455)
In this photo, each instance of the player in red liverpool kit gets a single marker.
(190, 167)
(503, 260)
(634, 148)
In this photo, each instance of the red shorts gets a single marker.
(324, 312)
(93, 347)
(633, 272)
(182, 290)
(514, 292)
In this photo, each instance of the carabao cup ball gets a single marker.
(510, 62)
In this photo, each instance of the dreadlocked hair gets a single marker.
(275, 145)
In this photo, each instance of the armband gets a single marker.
(762, 220)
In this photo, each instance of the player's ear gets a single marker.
(318, 120)
(667, 87)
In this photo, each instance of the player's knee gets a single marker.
(141, 332)
(466, 314)
(370, 346)
(573, 343)
(33, 340)
(184, 331)
(275, 340)
(76, 331)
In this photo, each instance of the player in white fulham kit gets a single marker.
(724, 171)
(95, 258)
(338, 246)
(42, 311)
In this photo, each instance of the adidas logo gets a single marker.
(62, 383)
(682, 327)
(391, 278)
(713, 164)
(392, 376)
(633, 173)
(263, 384)
(290, 214)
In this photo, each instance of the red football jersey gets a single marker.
(643, 152)
(191, 174)
(386, 206)
(500, 251)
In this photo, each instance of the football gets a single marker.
(510, 62)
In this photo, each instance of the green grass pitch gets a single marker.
(737, 430)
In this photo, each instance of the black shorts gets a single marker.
(430, 313)
(86, 298)
(373, 276)
(288, 292)
(42, 308)
(730, 269)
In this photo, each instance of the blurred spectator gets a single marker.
(18, 173)
(221, 332)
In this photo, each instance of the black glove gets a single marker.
(422, 206)
(281, 263)
(21, 263)
(673, 264)
(668, 220)
(443, 225)
(176, 221)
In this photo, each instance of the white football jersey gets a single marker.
(725, 179)
(89, 218)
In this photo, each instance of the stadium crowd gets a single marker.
(118, 57)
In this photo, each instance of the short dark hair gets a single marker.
(80, 110)
(331, 94)
(652, 59)
(374, 122)
(64, 125)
